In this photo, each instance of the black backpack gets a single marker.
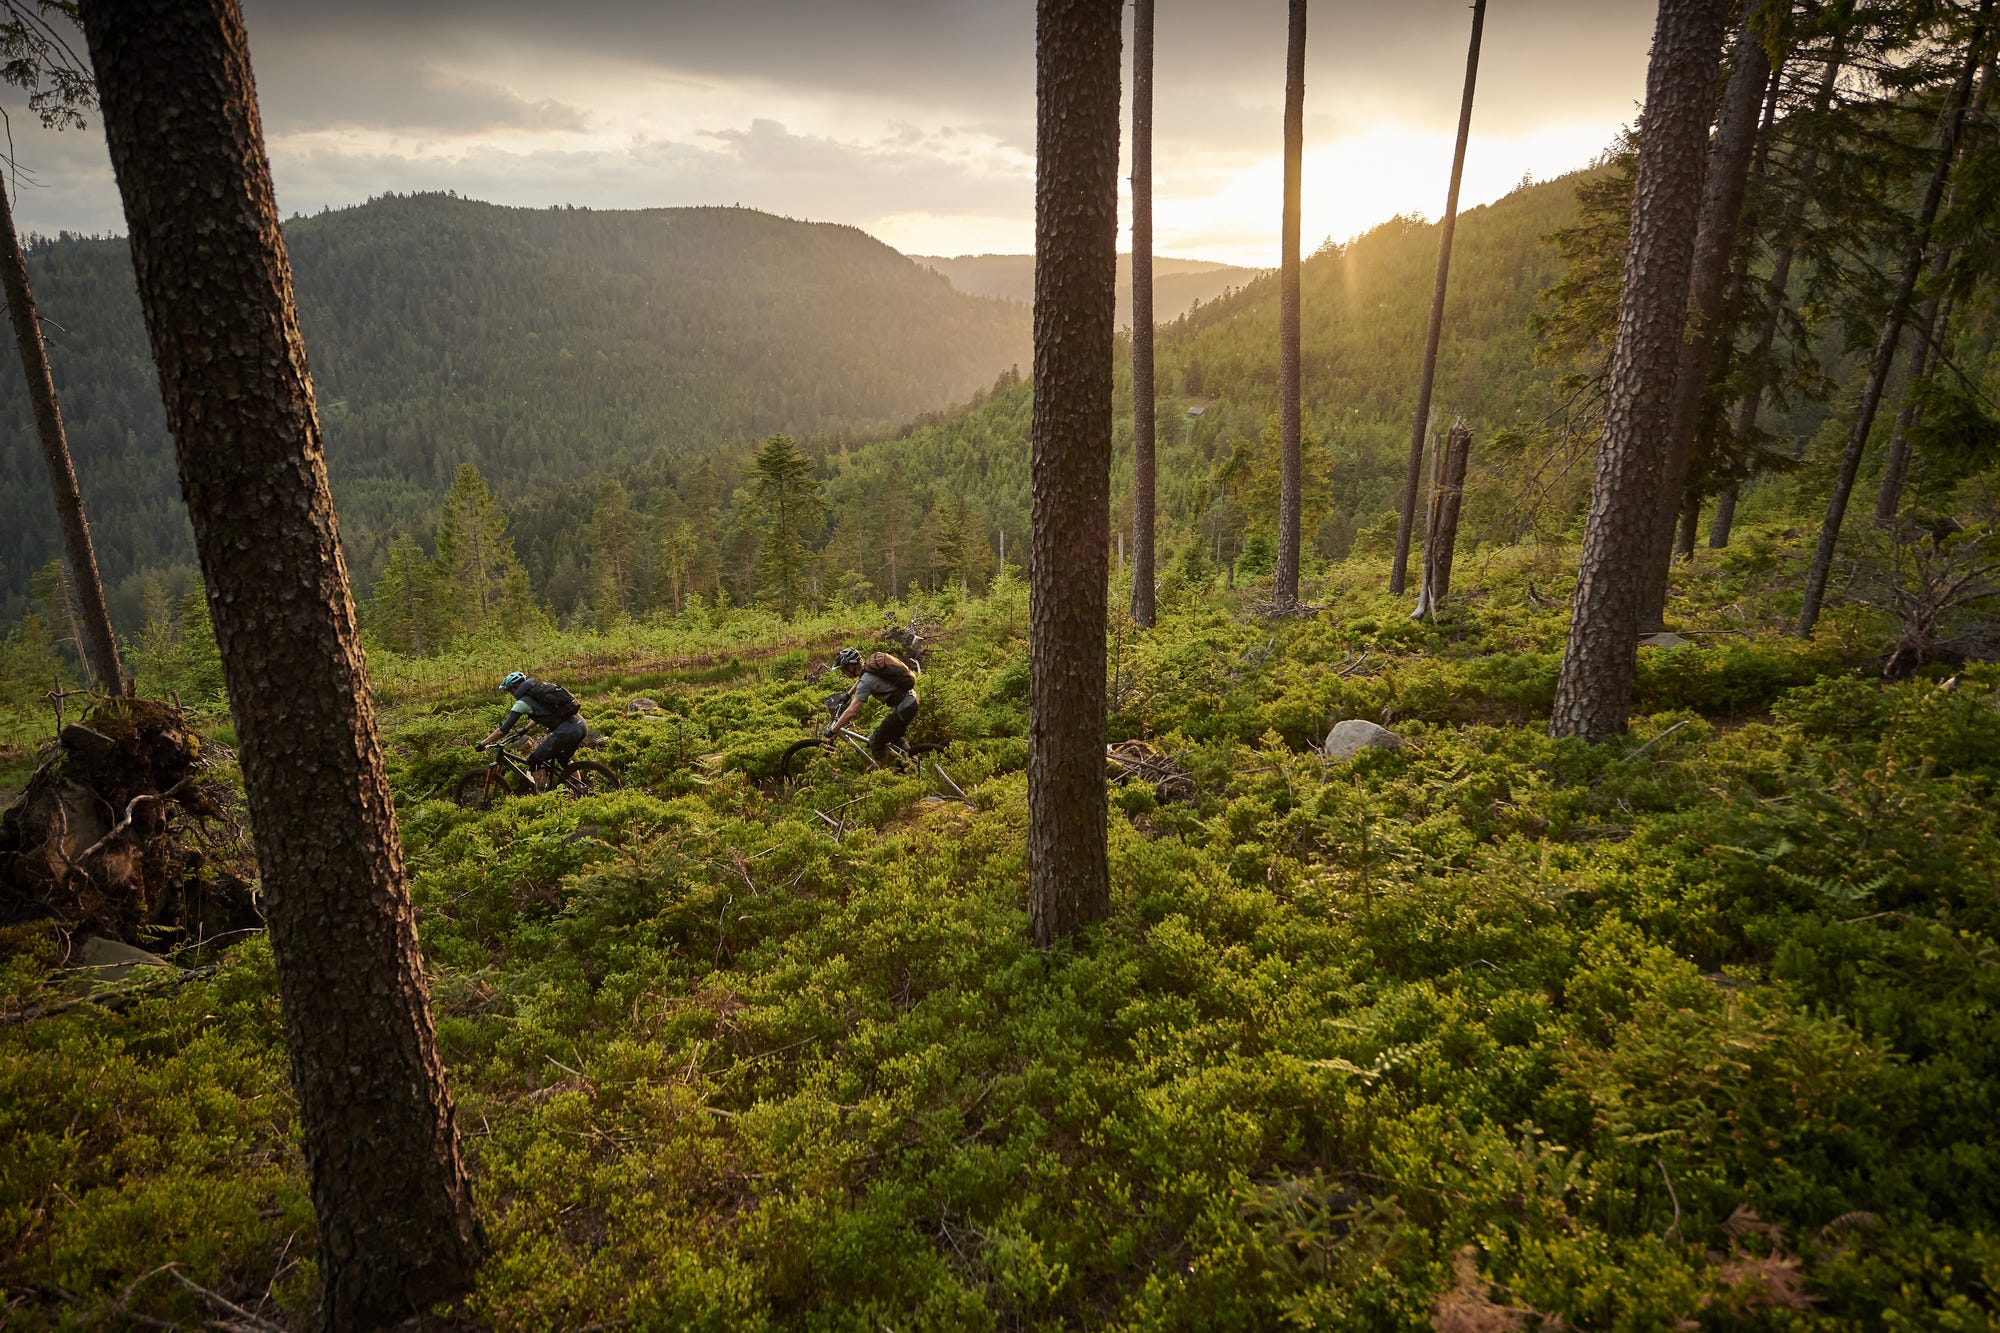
(551, 702)
(884, 667)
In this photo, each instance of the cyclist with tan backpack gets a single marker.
(884, 677)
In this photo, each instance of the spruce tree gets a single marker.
(787, 494)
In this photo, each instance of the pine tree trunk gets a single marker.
(1892, 329)
(1727, 177)
(1427, 374)
(1143, 503)
(1076, 256)
(1780, 279)
(1285, 591)
(397, 1230)
(97, 647)
(1689, 520)
(1599, 667)
(1932, 323)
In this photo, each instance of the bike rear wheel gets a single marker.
(590, 779)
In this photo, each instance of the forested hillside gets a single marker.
(1179, 285)
(540, 345)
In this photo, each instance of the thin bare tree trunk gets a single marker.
(389, 1186)
(1932, 324)
(1727, 178)
(1781, 272)
(1142, 312)
(1690, 520)
(1932, 320)
(1285, 589)
(1892, 329)
(98, 647)
(1076, 256)
(1426, 376)
(1599, 666)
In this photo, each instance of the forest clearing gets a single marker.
(1452, 783)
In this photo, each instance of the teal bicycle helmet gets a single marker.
(512, 679)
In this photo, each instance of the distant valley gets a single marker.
(1178, 284)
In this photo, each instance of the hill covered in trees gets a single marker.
(536, 344)
(1179, 285)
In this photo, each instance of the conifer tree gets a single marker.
(397, 1230)
(614, 550)
(408, 609)
(1427, 372)
(1144, 505)
(1285, 591)
(1076, 265)
(786, 492)
(1599, 667)
(474, 552)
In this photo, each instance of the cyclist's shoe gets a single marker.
(540, 777)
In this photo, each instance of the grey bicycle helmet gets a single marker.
(847, 657)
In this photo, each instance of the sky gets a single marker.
(911, 119)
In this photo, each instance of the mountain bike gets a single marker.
(507, 775)
(806, 758)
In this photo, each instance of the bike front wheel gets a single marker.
(480, 788)
(805, 758)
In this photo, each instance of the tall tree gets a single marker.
(1427, 374)
(783, 486)
(1143, 505)
(37, 61)
(1950, 124)
(474, 552)
(1076, 257)
(1599, 666)
(1725, 180)
(389, 1186)
(1776, 284)
(1285, 592)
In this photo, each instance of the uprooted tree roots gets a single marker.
(124, 832)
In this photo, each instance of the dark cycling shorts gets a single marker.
(557, 747)
(901, 714)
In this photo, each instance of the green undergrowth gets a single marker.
(1692, 1029)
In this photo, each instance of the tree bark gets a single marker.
(1727, 178)
(1285, 588)
(1441, 531)
(394, 1203)
(1076, 247)
(1142, 312)
(98, 646)
(1892, 330)
(1932, 322)
(1599, 666)
(1781, 272)
(1426, 376)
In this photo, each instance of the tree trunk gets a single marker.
(1142, 312)
(1728, 176)
(1427, 374)
(1599, 666)
(1285, 588)
(1690, 520)
(1932, 320)
(1781, 271)
(397, 1230)
(1076, 255)
(1892, 329)
(97, 647)
(1441, 530)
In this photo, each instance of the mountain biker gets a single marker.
(884, 677)
(556, 710)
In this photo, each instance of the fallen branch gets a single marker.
(125, 821)
(1657, 739)
(99, 997)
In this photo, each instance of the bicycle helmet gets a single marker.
(512, 679)
(847, 657)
